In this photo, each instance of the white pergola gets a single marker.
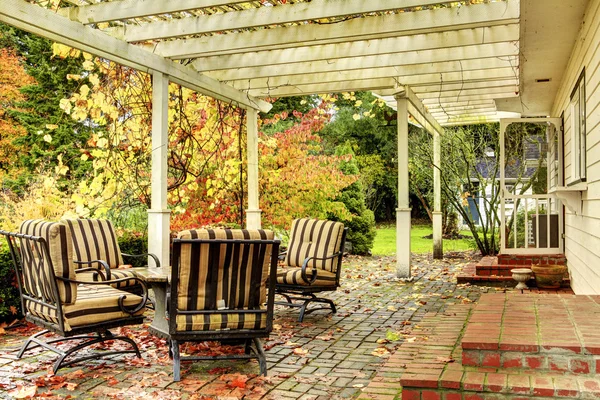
(443, 62)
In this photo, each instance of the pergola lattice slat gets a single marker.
(375, 27)
(443, 41)
(128, 9)
(263, 16)
(39, 21)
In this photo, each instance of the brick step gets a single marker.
(431, 360)
(458, 384)
(551, 359)
(497, 270)
(522, 259)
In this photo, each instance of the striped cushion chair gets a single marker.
(222, 288)
(52, 298)
(313, 264)
(97, 253)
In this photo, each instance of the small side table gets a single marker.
(158, 280)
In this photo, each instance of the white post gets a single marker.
(253, 212)
(159, 214)
(403, 210)
(438, 245)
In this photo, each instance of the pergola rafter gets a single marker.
(375, 27)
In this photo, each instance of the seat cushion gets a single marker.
(216, 322)
(95, 304)
(314, 238)
(58, 239)
(115, 273)
(94, 239)
(293, 276)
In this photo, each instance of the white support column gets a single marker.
(438, 245)
(253, 212)
(159, 213)
(403, 210)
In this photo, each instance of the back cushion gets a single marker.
(94, 239)
(199, 288)
(60, 249)
(314, 238)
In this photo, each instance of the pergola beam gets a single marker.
(380, 83)
(263, 16)
(420, 83)
(42, 22)
(419, 107)
(375, 27)
(508, 51)
(439, 41)
(126, 9)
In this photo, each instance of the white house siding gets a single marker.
(582, 232)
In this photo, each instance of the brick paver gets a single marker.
(327, 356)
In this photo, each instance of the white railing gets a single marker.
(531, 224)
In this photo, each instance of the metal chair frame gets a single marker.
(89, 334)
(305, 294)
(251, 338)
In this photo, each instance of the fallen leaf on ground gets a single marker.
(381, 352)
(299, 351)
(23, 392)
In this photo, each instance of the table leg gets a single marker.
(160, 325)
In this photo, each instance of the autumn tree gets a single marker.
(12, 79)
(53, 141)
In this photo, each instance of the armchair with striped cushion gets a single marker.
(222, 288)
(313, 264)
(98, 256)
(52, 298)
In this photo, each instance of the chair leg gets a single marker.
(262, 358)
(176, 361)
(88, 340)
(247, 346)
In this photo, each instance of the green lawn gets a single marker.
(385, 241)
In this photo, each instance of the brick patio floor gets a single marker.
(325, 357)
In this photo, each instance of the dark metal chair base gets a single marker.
(88, 341)
(251, 352)
(306, 299)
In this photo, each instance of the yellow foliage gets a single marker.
(43, 199)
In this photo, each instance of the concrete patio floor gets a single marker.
(325, 357)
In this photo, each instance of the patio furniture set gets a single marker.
(220, 286)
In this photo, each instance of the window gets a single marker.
(578, 158)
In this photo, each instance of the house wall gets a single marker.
(582, 232)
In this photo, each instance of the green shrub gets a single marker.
(134, 243)
(10, 304)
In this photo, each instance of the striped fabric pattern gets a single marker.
(314, 238)
(215, 322)
(95, 239)
(91, 276)
(293, 276)
(95, 304)
(37, 275)
(233, 272)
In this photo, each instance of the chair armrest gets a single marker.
(314, 274)
(129, 311)
(156, 261)
(102, 263)
(281, 255)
